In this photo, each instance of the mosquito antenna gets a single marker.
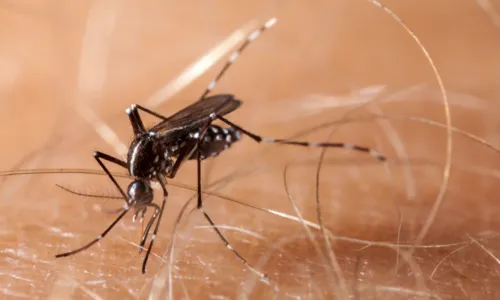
(87, 195)
(250, 38)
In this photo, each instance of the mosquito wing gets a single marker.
(196, 115)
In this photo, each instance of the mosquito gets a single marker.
(157, 153)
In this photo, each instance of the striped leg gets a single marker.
(148, 227)
(214, 227)
(260, 139)
(98, 156)
(251, 37)
(157, 226)
(96, 239)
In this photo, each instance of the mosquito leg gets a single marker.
(224, 240)
(138, 212)
(155, 232)
(95, 240)
(98, 156)
(260, 139)
(146, 110)
(135, 120)
(228, 246)
(198, 175)
(165, 195)
(250, 38)
(148, 227)
(188, 151)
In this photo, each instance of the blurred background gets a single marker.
(68, 69)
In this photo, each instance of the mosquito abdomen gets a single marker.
(216, 140)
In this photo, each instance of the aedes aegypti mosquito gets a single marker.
(158, 152)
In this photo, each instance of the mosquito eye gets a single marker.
(137, 189)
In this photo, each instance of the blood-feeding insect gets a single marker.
(157, 153)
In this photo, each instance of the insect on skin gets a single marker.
(157, 153)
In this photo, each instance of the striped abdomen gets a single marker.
(216, 140)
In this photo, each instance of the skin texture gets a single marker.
(61, 60)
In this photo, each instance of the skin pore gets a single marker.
(63, 63)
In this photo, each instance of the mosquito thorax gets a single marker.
(139, 192)
(147, 157)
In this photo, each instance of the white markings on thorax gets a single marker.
(133, 157)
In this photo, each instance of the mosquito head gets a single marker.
(147, 157)
(139, 192)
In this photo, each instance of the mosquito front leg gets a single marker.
(155, 232)
(148, 227)
(96, 239)
(98, 156)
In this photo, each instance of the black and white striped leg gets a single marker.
(346, 146)
(140, 212)
(250, 38)
(98, 156)
(97, 239)
(200, 207)
(230, 247)
(155, 232)
(148, 227)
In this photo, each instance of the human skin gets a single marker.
(110, 54)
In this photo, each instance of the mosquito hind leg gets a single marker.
(346, 146)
